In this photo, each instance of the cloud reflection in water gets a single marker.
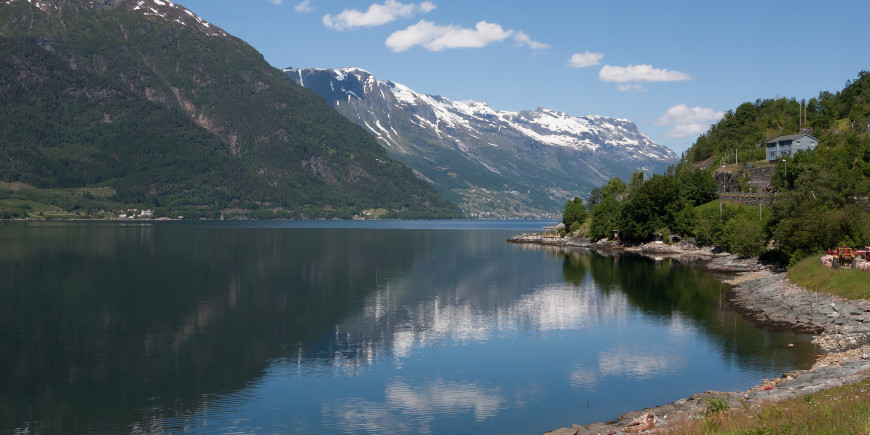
(637, 364)
(410, 408)
(449, 317)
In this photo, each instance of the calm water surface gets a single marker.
(360, 327)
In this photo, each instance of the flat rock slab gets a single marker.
(770, 300)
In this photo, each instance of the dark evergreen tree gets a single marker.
(574, 214)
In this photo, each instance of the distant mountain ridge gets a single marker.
(492, 163)
(151, 103)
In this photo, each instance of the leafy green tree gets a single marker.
(574, 214)
(614, 187)
(594, 198)
(818, 213)
(709, 226)
(698, 186)
(684, 219)
(605, 218)
(655, 204)
(745, 235)
(637, 179)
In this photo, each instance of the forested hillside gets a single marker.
(833, 118)
(131, 104)
(820, 197)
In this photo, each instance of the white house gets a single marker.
(786, 146)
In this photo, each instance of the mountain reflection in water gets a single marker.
(270, 327)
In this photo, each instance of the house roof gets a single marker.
(789, 137)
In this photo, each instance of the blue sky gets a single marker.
(671, 67)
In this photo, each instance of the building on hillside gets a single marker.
(786, 146)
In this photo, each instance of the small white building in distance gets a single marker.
(786, 146)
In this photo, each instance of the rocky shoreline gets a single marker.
(763, 295)
(705, 257)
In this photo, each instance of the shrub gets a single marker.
(575, 226)
(716, 405)
(745, 236)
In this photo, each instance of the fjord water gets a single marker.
(361, 327)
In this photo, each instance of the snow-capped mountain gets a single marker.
(154, 8)
(490, 162)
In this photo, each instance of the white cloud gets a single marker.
(434, 37)
(584, 378)
(640, 73)
(636, 364)
(582, 60)
(688, 121)
(687, 130)
(302, 8)
(681, 114)
(446, 397)
(524, 40)
(625, 87)
(376, 15)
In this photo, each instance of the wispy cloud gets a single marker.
(376, 15)
(302, 8)
(688, 121)
(276, 2)
(625, 87)
(434, 37)
(630, 76)
(640, 73)
(585, 59)
(524, 40)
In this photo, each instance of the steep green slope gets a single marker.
(170, 112)
(830, 116)
(822, 195)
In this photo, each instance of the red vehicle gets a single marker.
(843, 256)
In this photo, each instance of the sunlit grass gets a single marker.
(21, 200)
(811, 274)
(841, 410)
(32, 206)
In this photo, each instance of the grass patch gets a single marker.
(840, 410)
(811, 274)
(32, 207)
(18, 200)
(583, 231)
